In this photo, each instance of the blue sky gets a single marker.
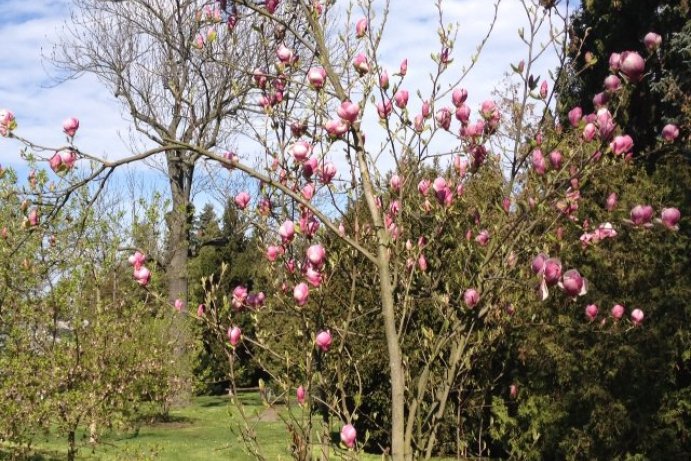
(28, 83)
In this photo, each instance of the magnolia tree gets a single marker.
(405, 217)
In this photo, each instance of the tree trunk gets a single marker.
(71, 446)
(178, 222)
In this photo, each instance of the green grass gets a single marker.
(204, 430)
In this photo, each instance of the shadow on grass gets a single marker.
(33, 455)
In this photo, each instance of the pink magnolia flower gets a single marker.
(513, 391)
(617, 311)
(201, 309)
(471, 297)
(336, 128)
(361, 28)
(423, 186)
(384, 80)
(621, 144)
(142, 275)
(555, 159)
(612, 83)
(7, 122)
(600, 100)
(137, 259)
(612, 200)
(401, 98)
(652, 41)
(422, 263)
(544, 89)
(575, 116)
(316, 254)
(551, 270)
(670, 132)
(360, 64)
(637, 316)
(463, 113)
(573, 283)
(641, 215)
(538, 161)
(443, 117)
(300, 151)
(403, 69)
(328, 172)
(273, 252)
(242, 199)
(426, 110)
(348, 111)
(307, 191)
(384, 109)
(300, 395)
(591, 311)
(461, 165)
(179, 305)
(234, 335)
(614, 62)
(459, 96)
(323, 340)
(605, 123)
(482, 238)
(301, 293)
(287, 231)
(240, 294)
(670, 218)
(313, 276)
(632, 65)
(348, 435)
(70, 126)
(317, 77)
(284, 54)
(589, 132)
(395, 182)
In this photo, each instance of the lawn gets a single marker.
(204, 430)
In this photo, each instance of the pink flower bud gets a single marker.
(617, 311)
(544, 89)
(70, 126)
(471, 297)
(300, 395)
(313, 276)
(670, 218)
(142, 275)
(384, 109)
(404, 68)
(284, 54)
(242, 199)
(234, 335)
(552, 271)
(34, 217)
(384, 80)
(506, 204)
(538, 161)
(423, 187)
(348, 435)
(632, 65)
(56, 163)
(287, 231)
(401, 99)
(422, 263)
(260, 78)
(419, 123)
(179, 305)
(614, 62)
(137, 259)
(316, 76)
(308, 191)
(316, 254)
(463, 113)
(612, 83)
(201, 309)
(395, 182)
(301, 293)
(360, 64)
(670, 132)
(459, 96)
(637, 316)
(652, 41)
(555, 159)
(573, 283)
(426, 110)
(361, 28)
(612, 201)
(641, 215)
(575, 116)
(621, 144)
(323, 340)
(589, 132)
(199, 41)
(482, 238)
(591, 311)
(443, 118)
(348, 111)
(513, 391)
(309, 167)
